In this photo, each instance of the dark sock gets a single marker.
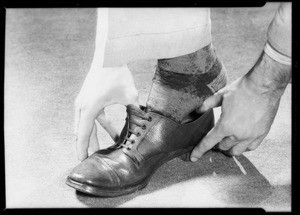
(181, 84)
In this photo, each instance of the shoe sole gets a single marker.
(104, 192)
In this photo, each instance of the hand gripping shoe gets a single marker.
(148, 140)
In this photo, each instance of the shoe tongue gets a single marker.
(133, 113)
(132, 109)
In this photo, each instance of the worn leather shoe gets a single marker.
(148, 140)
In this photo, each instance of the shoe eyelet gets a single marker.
(128, 148)
(150, 119)
(144, 127)
(133, 141)
(138, 134)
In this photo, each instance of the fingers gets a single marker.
(94, 145)
(76, 120)
(227, 143)
(256, 143)
(101, 36)
(232, 147)
(107, 125)
(130, 93)
(212, 101)
(239, 148)
(209, 141)
(86, 124)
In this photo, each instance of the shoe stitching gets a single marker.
(112, 172)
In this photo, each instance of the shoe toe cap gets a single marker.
(93, 172)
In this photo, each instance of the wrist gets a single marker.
(269, 77)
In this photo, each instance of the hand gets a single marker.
(248, 106)
(101, 88)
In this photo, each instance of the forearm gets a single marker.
(268, 77)
(272, 71)
(280, 30)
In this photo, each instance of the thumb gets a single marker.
(211, 102)
(85, 128)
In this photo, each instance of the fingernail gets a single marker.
(193, 159)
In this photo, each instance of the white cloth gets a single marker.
(280, 30)
(151, 33)
(275, 55)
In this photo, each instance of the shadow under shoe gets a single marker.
(148, 140)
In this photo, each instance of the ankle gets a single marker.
(181, 84)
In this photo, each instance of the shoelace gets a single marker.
(130, 131)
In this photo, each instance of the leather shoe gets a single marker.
(147, 141)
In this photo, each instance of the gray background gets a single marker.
(47, 56)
